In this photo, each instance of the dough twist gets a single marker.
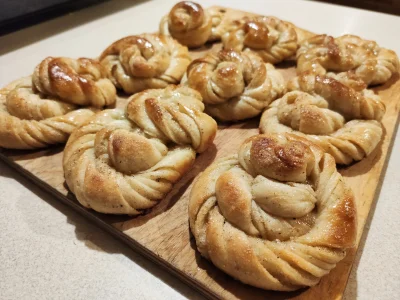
(126, 162)
(341, 120)
(136, 63)
(347, 53)
(79, 81)
(272, 39)
(174, 113)
(277, 216)
(191, 25)
(43, 109)
(234, 85)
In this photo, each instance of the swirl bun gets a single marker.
(277, 216)
(123, 162)
(43, 109)
(342, 121)
(347, 53)
(234, 85)
(146, 61)
(272, 39)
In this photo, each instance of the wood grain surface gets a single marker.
(163, 234)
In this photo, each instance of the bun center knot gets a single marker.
(128, 152)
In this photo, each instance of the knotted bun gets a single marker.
(191, 25)
(276, 216)
(341, 120)
(174, 113)
(79, 81)
(146, 61)
(43, 109)
(272, 39)
(124, 162)
(347, 53)
(234, 85)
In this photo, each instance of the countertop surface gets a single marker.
(48, 251)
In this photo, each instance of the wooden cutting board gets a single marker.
(163, 234)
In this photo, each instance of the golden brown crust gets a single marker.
(234, 85)
(217, 16)
(262, 228)
(79, 81)
(342, 230)
(123, 162)
(272, 39)
(279, 160)
(43, 109)
(113, 167)
(136, 63)
(341, 120)
(347, 53)
(188, 23)
(174, 113)
(193, 26)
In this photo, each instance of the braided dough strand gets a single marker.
(16, 133)
(276, 216)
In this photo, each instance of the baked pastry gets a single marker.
(217, 19)
(191, 25)
(146, 61)
(234, 85)
(43, 109)
(349, 79)
(277, 216)
(341, 120)
(173, 114)
(272, 39)
(347, 53)
(124, 162)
